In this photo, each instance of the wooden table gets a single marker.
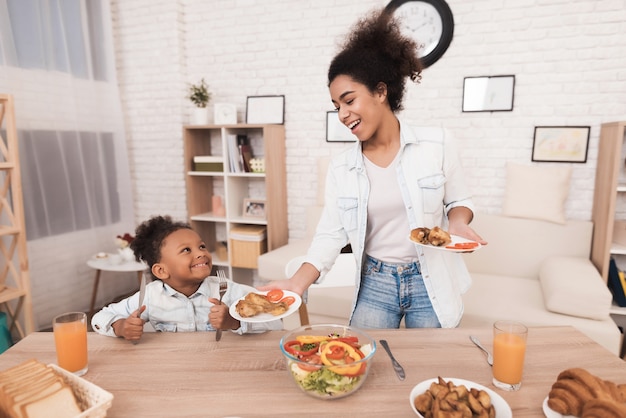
(192, 375)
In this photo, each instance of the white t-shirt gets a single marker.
(388, 230)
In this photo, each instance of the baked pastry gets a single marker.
(576, 388)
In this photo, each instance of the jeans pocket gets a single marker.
(432, 188)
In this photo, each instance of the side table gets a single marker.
(618, 314)
(105, 264)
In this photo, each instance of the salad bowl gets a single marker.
(328, 361)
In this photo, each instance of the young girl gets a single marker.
(182, 299)
(396, 178)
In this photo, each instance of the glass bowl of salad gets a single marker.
(328, 361)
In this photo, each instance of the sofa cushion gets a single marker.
(573, 286)
(536, 192)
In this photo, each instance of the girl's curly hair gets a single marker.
(376, 51)
(149, 237)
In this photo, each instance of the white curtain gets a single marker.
(56, 59)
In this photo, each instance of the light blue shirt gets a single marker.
(168, 310)
(431, 183)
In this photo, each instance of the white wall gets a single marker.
(568, 56)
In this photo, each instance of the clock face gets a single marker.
(225, 114)
(428, 22)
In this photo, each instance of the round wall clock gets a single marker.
(225, 114)
(429, 23)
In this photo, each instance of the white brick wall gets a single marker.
(569, 62)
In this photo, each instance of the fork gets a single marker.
(223, 281)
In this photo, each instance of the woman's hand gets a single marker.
(458, 224)
(298, 283)
(219, 318)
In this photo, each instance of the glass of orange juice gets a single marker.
(70, 338)
(509, 348)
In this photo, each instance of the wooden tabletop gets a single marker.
(192, 375)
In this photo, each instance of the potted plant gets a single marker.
(200, 96)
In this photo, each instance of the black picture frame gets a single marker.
(488, 93)
(265, 110)
(561, 144)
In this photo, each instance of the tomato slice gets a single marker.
(336, 353)
(274, 295)
(289, 299)
(311, 363)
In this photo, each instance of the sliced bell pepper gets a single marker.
(298, 349)
(341, 366)
(310, 339)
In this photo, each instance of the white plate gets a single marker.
(503, 410)
(455, 240)
(266, 317)
(549, 413)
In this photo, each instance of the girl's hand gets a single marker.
(130, 328)
(219, 318)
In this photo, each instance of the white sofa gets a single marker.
(539, 273)
(534, 271)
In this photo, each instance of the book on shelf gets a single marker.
(245, 152)
(233, 154)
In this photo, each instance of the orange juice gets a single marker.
(508, 357)
(71, 342)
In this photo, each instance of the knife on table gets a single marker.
(396, 366)
(142, 293)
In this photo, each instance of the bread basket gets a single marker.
(92, 399)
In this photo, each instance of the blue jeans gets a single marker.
(390, 292)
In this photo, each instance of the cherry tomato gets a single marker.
(274, 295)
(289, 299)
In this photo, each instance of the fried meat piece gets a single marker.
(438, 237)
(254, 304)
(420, 235)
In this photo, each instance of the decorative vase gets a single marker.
(200, 116)
(127, 254)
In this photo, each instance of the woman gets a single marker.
(395, 179)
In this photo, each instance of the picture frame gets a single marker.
(337, 131)
(265, 110)
(488, 94)
(561, 144)
(254, 208)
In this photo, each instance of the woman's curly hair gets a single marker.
(376, 51)
(149, 237)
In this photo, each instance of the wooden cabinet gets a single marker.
(609, 201)
(15, 296)
(218, 180)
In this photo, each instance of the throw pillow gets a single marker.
(573, 286)
(536, 192)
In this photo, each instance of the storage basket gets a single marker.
(247, 243)
(92, 399)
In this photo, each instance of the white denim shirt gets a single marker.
(431, 183)
(168, 310)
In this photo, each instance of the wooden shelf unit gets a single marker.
(609, 185)
(267, 142)
(15, 291)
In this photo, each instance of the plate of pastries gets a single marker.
(579, 393)
(265, 306)
(452, 397)
(440, 239)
